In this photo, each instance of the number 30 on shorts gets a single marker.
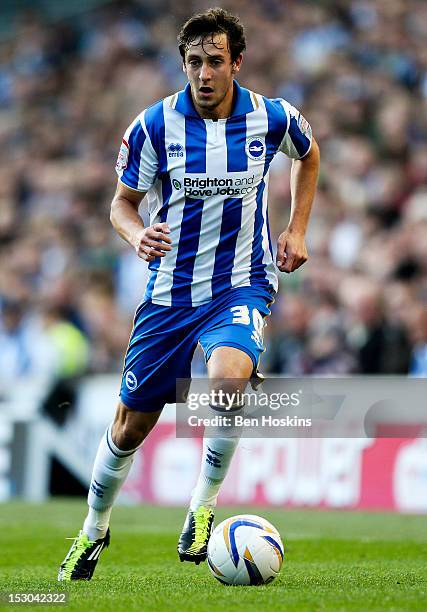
(242, 315)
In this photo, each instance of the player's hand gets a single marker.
(151, 242)
(291, 251)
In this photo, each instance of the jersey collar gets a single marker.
(245, 102)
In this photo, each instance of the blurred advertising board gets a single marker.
(385, 470)
(342, 473)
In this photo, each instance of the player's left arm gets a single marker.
(291, 247)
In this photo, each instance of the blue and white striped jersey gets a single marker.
(209, 181)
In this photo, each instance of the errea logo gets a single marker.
(255, 147)
(175, 150)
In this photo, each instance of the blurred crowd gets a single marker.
(357, 69)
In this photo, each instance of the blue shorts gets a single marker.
(164, 339)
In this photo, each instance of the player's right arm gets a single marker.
(136, 167)
(148, 242)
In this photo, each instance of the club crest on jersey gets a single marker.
(175, 149)
(130, 380)
(255, 148)
(122, 160)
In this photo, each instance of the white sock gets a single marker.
(216, 458)
(96, 523)
(110, 470)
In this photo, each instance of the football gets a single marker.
(245, 550)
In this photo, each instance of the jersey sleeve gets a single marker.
(298, 137)
(137, 161)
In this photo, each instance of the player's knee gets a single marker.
(230, 368)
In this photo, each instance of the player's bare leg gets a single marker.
(112, 464)
(229, 371)
(130, 428)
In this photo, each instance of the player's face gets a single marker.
(210, 72)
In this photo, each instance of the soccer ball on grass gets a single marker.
(245, 550)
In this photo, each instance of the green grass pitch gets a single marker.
(333, 561)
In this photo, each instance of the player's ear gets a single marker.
(237, 63)
(184, 67)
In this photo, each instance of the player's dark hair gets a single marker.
(207, 24)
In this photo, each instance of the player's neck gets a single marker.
(222, 111)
